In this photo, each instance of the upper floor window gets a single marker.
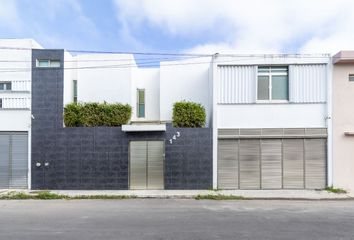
(44, 63)
(141, 103)
(272, 83)
(75, 91)
(351, 77)
(5, 86)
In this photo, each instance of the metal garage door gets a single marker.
(271, 163)
(146, 165)
(13, 160)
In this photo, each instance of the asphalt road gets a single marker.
(175, 219)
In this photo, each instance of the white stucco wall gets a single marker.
(185, 80)
(17, 69)
(148, 79)
(343, 121)
(15, 120)
(271, 116)
(104, 77)
(69, 75)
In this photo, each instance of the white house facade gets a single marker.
(268, 121)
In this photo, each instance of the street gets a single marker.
(175, 219)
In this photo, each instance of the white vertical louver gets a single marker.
(236, 84)
(307, 83)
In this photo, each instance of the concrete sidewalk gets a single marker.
(253, 194)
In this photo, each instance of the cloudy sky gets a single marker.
(200, 26)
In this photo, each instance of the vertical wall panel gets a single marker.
(307, 83)
(4, 160)
(271, 159)
(236, 84)
(293, 163)
(249, 164)
(155, 165)
(19, 163)
(228, 164)
(138, 162)
(315, 163)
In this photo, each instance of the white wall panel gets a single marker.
(236, 84)
(187, 80)
(271, 115)
(307, 83)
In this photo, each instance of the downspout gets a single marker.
(329, 124)
(214, 123)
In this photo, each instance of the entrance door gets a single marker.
(146, 165)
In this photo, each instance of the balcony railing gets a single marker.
(21, 85)
(15, 103)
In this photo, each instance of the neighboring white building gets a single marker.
(15, 111)
(270, 121)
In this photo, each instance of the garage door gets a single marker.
(266, 162)
(13, 160)
(146, 165)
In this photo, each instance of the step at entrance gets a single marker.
(146, 168)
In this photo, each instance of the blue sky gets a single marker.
(208, 26)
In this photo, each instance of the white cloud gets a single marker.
(252, 25)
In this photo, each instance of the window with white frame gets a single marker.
(45, 63)
(141, 103)
(75, 91)
(351, 77)
(272, 84)
(5, 86)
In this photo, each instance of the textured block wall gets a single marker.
(97, 158)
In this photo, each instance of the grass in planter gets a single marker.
(108, 197)
(335, 190)
(15, 196)
(46, 195)
(219, 197)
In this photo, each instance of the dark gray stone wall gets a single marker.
(97, 158)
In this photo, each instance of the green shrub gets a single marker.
(96, 114)
(188, 114)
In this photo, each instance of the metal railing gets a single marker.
(15, 103)
(21, 85)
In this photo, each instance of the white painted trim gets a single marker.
(29, 157)
(329, 125)
(144, 128)
(214, 123)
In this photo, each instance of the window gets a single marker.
(351, 77)
(141, 103)
(75, 91)
(0, 102)
(5, 86)
(44, 63)
(272, 84)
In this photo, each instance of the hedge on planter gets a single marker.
(188, 114)
(96, 114)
